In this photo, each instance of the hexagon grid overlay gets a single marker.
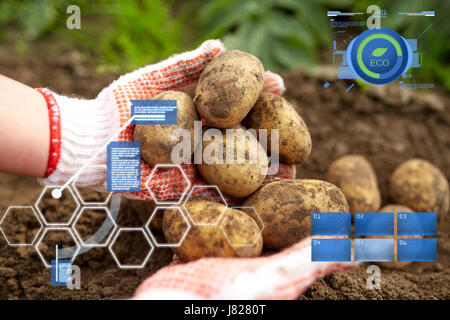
(160, 190)
(219, 196)
(9, 212)
(147, 257)
(88, 242)
(259, 222)
(170, 245)
(48, 191)
(49, 229)
(79, 193)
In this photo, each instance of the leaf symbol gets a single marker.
(378, 52)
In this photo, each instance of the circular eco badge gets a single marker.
(379, 55)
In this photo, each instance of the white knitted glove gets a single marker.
(78, 148)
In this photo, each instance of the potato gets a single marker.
(394, 208)
(420, 185)
(240, 175)
(228, 88)
(209, 240)
(156, 140)
(354, 175)
(285, 208)
(274, 112)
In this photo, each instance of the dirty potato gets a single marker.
(228, 88)
(206, 238)
(156, 140)
(236, 162)
(285, 208)
(395, 208)
(354, 175)
(274, 112)
(420, 185)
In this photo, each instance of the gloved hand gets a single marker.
(283, 275)
(82, 128)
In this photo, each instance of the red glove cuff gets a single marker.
(55, 130)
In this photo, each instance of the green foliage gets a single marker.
(434, 43)
(127, 34)
(32, 17)
(120, 35)
(141, 33)
(282, 33)
(363, 86)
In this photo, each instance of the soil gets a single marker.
(385, 124)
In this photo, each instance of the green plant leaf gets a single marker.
(282, 26)
(219, 16)
(378, 52)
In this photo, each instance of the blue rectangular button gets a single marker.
(331, 223)
(416, 249)
(151, 112)
(331, 250)
(416, 223)
(374, 223)
(374, 250)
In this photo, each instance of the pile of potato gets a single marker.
(229, 95)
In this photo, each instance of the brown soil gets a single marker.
(388, 126)
(385, 124)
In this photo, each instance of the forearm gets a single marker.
(24, 129)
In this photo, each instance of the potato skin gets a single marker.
(274, 112)
(285, 208)
(209, 240)
(236, 180)
(394, 208)
(420, 185)
(156, 142)
(228, 88)
(356, 178)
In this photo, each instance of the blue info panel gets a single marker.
(416, 250)
(153, 112)
(374, 223)
(61, 272)
(331, 223)
(123, 167)
(374, 250)
(416, 223)
(331, 250)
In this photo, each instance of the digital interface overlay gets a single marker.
(411, 240)
(364, 49)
